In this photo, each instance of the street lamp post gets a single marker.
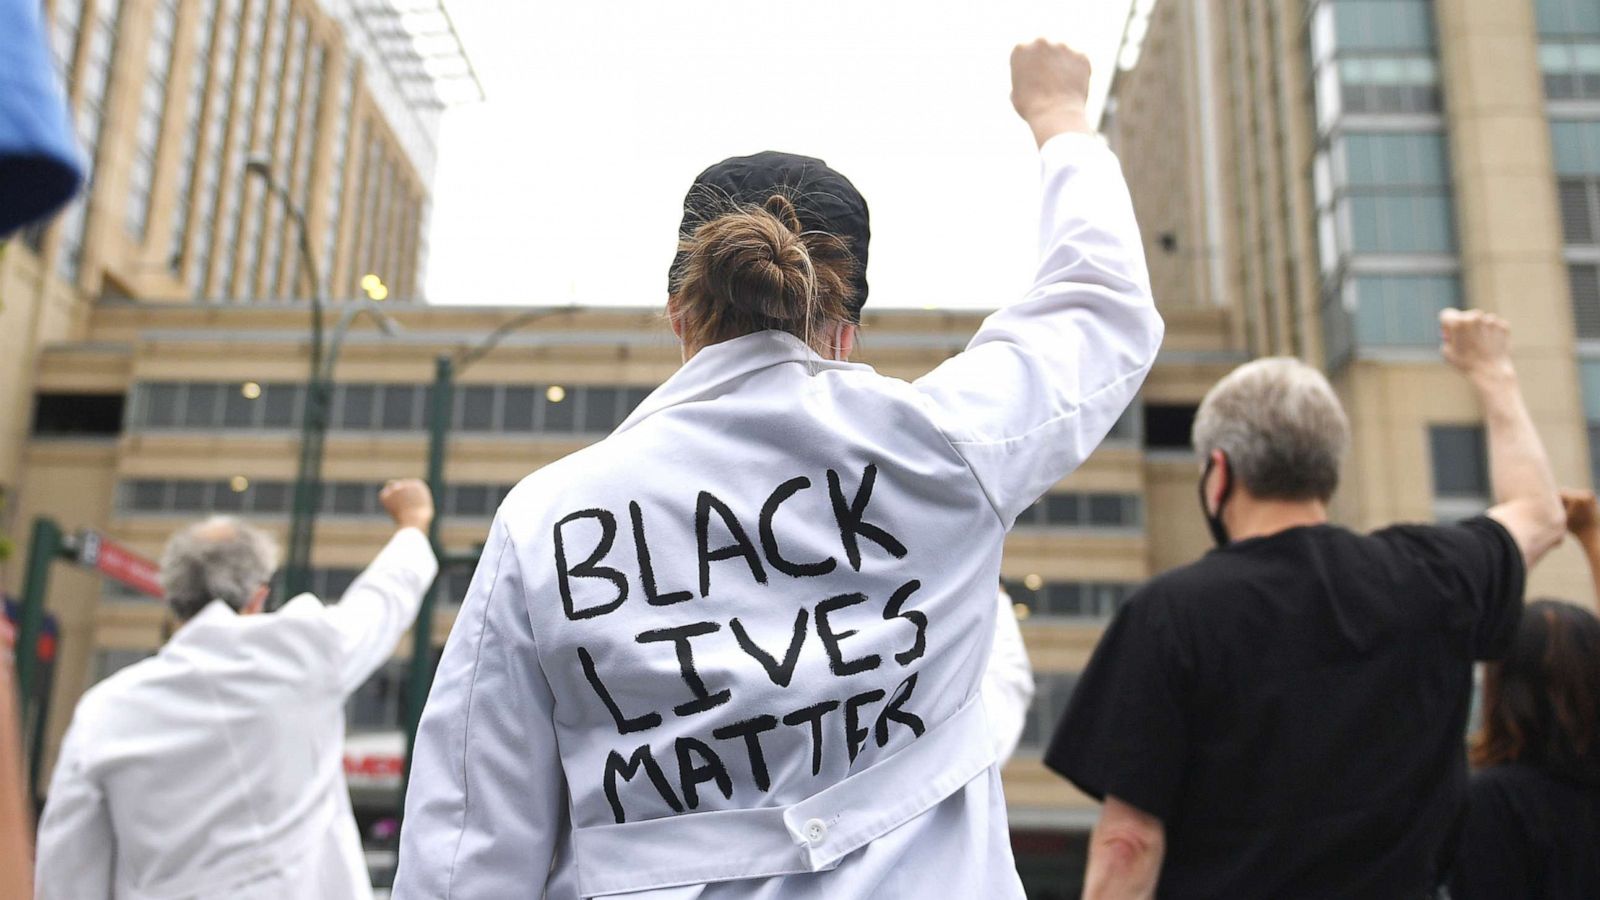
(419, 679)
(314, 422)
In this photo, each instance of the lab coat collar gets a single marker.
(721, 363)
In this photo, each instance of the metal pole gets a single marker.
(420, 677)
(45, 547)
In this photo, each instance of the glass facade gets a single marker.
(1386, 218)
(152, 109)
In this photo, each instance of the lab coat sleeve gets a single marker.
(1044, 379)
(380, 605)
(1007, 682)
(76, 846)
(487, 797)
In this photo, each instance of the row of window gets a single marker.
(241, 496)
(1052, 692)
(1071, 599)
(516, 409)
(1084, 510)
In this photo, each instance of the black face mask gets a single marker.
(1219, 531)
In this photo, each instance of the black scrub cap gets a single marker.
(824, 200)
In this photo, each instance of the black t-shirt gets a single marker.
(1529, 835)
(1293, 707)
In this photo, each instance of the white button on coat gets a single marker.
(769, 596)
(816, 832)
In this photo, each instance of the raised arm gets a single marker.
(1583, 523)
(382, 602)
(1478, 344)
(1045, 378)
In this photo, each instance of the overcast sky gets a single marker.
(566, 185)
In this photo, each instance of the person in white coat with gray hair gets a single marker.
(736, 649)
(215, 768)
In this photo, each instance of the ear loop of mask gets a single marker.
(1219, 531)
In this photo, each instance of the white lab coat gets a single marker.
(735, 649)
(1007, 681)
(215, 768)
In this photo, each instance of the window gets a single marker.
(1567, 17)
(1384, 24)
(1078, 510)
(354, 406)
(521, 409)
(1096, 600)
(1052, 692)
(560, 416)
(1168, 427)
(110, 661)
(1571, 69)
(1126, 429)
(476, 408)
(400, 410)
(1399, 194)
(1580, 208)
(600, 409)
(77, 415)
(1460, 470)
(1389, 85)
(161, 404)
(280, 405)
(1402, 310)
(1584, 282)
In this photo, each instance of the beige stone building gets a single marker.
(200, 412)
(1329, 174)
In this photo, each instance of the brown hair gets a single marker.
(754, 268)
(1541, 704)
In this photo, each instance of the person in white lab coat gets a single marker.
(735, 649)
(215, 768)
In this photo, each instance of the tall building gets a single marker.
(198, 411)
(340, 99)
(1328, 175)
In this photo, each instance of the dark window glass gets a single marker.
(473, 500)
(1109, 510)
(1577, 210)
(78, 415)
(1061, 509)
(399, 408)
(278, 402)
(477, 408)
(161, 404)
(354, 406)
(1594, 454)
(600, 409)
(147, 495)
(339, 581)
(1168, 427)
(1584, 282)
(239, 411)
(1063, 599)
(225, 499)
(190, 496)
(349, 498)
(269, 497)
(202, 406)
(521, 405)
(561, 417)
(1460, 461)
(631, 398)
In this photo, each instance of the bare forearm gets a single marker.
(1125, 854)
(1524, 485)
(1590, 542)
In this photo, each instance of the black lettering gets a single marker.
(587, 568)
(894, 713)
(679, 637)
(781, 673)
(852, 522)
(892, 611)
(769, 541)
(625, 725)
(813, 714)
(741, 545)
(691, 776)
(750, 730)
(854, 735)
(831, 639)
(647, 572)
(627, 768)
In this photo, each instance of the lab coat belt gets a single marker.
(810, 836)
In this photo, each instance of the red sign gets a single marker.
(119, 564)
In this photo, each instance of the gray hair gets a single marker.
(1281, 426)
(218, 559)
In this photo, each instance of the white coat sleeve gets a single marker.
(1007, 682)
(1044, 379)
(487, 797)
(380, 605)
(77, 849)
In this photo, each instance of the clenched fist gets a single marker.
(409, 503)
(1475, 342)
(1050, 88)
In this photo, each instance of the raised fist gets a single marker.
(1050, 88)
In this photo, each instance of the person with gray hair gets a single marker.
(215, 768)
(1284, 717)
